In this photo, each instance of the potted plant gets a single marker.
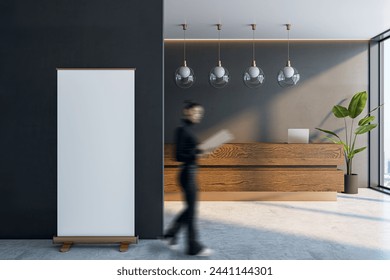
(364, 125)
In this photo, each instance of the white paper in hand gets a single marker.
(221, 137)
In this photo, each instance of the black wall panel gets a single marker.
(36, 37)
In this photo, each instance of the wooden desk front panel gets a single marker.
(267, 154)
(260, 179)
(264, 167)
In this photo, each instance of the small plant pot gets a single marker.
(351, 184)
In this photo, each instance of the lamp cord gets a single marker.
(288, 44)
(219, 44)
(253, 44)
(184, 30)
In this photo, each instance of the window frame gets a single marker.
(376, 141)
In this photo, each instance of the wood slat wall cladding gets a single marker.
(263, 167)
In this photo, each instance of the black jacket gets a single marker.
(186, 143)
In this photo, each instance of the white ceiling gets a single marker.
(310, 19)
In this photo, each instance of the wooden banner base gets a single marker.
(68, 241)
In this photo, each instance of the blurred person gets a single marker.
(187, 152)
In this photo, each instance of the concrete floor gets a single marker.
(355, 227)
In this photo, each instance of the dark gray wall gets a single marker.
(331, 71)
(38, 36)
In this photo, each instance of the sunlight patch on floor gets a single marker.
(360, 220)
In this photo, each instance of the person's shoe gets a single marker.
(170, 242)
(204, 252)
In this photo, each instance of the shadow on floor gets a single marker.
(321, 211)
(362, 198)
(228, 240)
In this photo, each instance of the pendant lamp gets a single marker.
(184, 75)
(253, 75)
(219, 75)
(288, 76)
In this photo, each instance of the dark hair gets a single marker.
(190, 104)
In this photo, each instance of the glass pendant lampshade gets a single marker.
(288, 76)
(219, 75)
(184, 75)
(253, 75)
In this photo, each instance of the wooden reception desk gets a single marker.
(263, 171)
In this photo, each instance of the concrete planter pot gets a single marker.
(351, 184)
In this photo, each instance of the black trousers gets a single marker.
(187, 178)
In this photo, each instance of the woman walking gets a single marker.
(187, 152)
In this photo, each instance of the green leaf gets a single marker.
(354, 152)
(333, 140)
(345, 146)
(357, 104)
(328, 131)
(340, 111)
(358, 150)
(366, 120)
(365, 128)
(340, 142)
(373, 110)
(376, 108)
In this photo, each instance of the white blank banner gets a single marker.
(95, 152)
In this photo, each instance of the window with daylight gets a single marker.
(386, 112)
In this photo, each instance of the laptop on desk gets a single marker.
(298, 135)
